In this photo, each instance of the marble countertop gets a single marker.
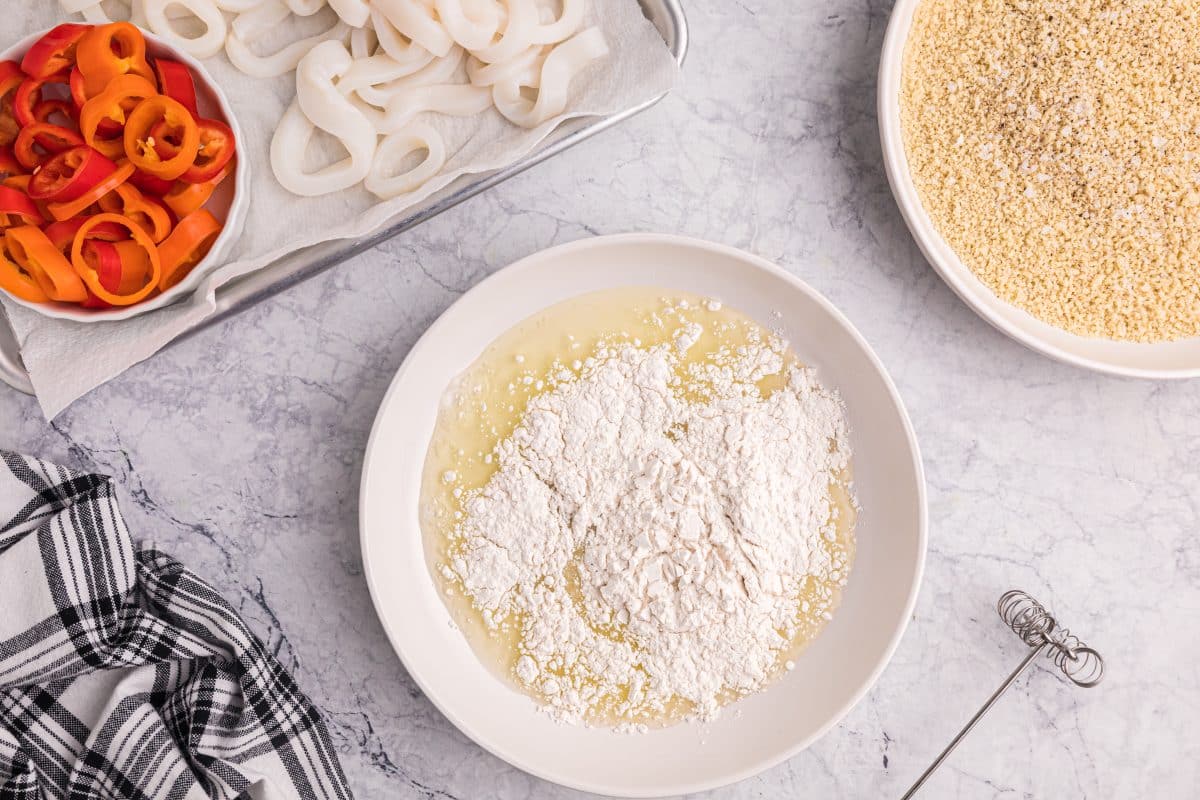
(240, 449)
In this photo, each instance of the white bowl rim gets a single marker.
(937, 250)
(231, 229)
(887, 653)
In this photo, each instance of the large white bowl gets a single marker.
(228, 202)
(830, 677)
(1178, 359)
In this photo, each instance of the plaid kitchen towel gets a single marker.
(123, 675)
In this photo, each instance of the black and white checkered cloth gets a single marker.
(123, 675)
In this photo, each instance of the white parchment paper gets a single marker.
(68, 359)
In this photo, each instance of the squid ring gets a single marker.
(249, 25)
(455, 100)
(354, 13)
(363, 42)
(305, 8)
(319, 104)
(560, 67)
(237, 6)
(280, 62)
(377, 69)
(203, 46)
(522, 68)
(416, 19)
(415, 137)
(517, 36)
(437, 71)
(472, 31)
(565, 26)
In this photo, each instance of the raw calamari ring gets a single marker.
(472, 28)
(440, 70)
(363, 42)
(354, 13)
(237, 6)
(564, 62)
(284, 60)
(568, 22)
(207, 44)
(319, 104)
(250, 25)
(455, 100)
(524, 68)
(377, 69)
(394, 149)
(392, 41)
(305, 8)
(517, 34)
(417, 19)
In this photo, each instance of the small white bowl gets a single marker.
(228, 202)
(1178, 359)
(759, 731)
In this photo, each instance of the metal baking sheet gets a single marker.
(249, 290)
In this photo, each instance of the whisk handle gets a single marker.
(1034, 652)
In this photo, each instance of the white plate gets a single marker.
(1179, 359)
(830, 677)
(228, 202)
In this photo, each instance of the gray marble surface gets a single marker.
(240, 449)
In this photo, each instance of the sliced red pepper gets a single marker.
(215, 150)
(175, 127)
(150, 214)
(17, 281)
(73, 208)
(16, 205)
(62, 234)
(63, 109)
(8, 163)
(187, 246)
(50, 138)
(29, 94)
(105, 260)
(55, 51)
(92, 280)
(33, 250)
(11, 78)
(150, 184)
(109, 51)
(113, 104)
(188, 197)
(69, 174)
(176, 82)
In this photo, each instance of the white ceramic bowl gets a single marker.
(1178, 359)
(228, 202)
(833, 673)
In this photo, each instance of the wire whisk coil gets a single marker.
(1037, 627)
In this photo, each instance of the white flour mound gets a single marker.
(649, 548)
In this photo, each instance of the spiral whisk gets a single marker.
(1038, 629)
(1030, 620)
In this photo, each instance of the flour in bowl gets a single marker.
(662, 525)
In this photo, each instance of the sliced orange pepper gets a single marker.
(169, 119)
(127, 201)
(135, 265)
(17, 281)
(187, 246)
(113, 104)
(109, 51)
(92, 280)
(73, 208)
(32, 249)
(185, 198)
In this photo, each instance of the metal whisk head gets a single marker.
(1037, 628)
(1030, 620)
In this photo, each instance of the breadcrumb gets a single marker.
(1056, 146)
